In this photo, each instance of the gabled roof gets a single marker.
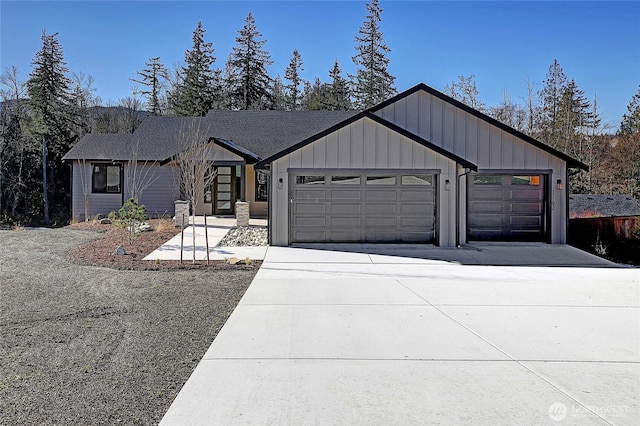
(366, 114)
(571, 162)
(257, 134)
(598, 205)
(106, 147)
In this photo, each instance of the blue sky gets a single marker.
(501, 43)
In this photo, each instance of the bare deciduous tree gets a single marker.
(194, 164)
(141, 174)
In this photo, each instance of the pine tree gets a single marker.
(249, 81)
(292, 74)
(372, 82)
(573, 118)
(52, 120)
(630, 124)
(278, 95)
(551, 95)
(197, 94)
(338, 96)
(152, 77)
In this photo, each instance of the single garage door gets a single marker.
(506, 207)
(375, 208)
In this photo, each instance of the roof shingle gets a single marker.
(598, 205)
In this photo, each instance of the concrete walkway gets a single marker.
(336, 337)
(217, 228)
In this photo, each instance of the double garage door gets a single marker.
(361, 207)
(506, 207)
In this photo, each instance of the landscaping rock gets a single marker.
(119, 251)
(245, 236)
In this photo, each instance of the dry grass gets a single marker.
(164, 225)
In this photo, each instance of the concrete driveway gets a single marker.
(338, 337)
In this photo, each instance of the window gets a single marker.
(525, 180)
(487, 180)
(417, 180)
(261, 186)
(106, 179)
(309, 180)
(345, 180)
(381, 180)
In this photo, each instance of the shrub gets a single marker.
(129, 217)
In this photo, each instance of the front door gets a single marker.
(224, 190)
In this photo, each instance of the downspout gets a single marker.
(458, 205)
(269, 202)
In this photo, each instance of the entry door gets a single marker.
(224, 190)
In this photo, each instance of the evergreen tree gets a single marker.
(372, 82)
(338, 96)
(249, 81)
(630, 124)
(292, 74)
(278, 95)
(314, 96)
(573, 118)
(550, 96)
(152, 77)
(197, 94)
(53, 118)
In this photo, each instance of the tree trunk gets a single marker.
(45, 189)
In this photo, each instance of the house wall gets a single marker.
(81, 184)
(256, 208)
(158, 195)
(162, 190)
(364, 144)
(483, 144)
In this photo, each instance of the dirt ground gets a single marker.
(93, 345)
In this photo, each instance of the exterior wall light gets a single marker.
(447, 185)
(559, 185)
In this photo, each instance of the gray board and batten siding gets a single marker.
(424, 131)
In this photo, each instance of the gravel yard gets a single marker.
(92, 345)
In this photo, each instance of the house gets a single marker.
(108, 167)
(605, 218)
(602, 205)
(418, 168)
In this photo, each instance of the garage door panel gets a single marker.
(485, 194)
(381, 221)
(486, 208)
(526, 195)
(486, 221)
(344, 221)
(344, 194)
(530, 208)
(343, 235)
(304, 236)
(381, 209)
(307, 221)
(344, 208)
(310, 208)
(525, 221)
(385, 195)
(368, 208)
(309, 194)
(413, 195)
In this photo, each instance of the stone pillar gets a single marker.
(242, 213)
(181, 208)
